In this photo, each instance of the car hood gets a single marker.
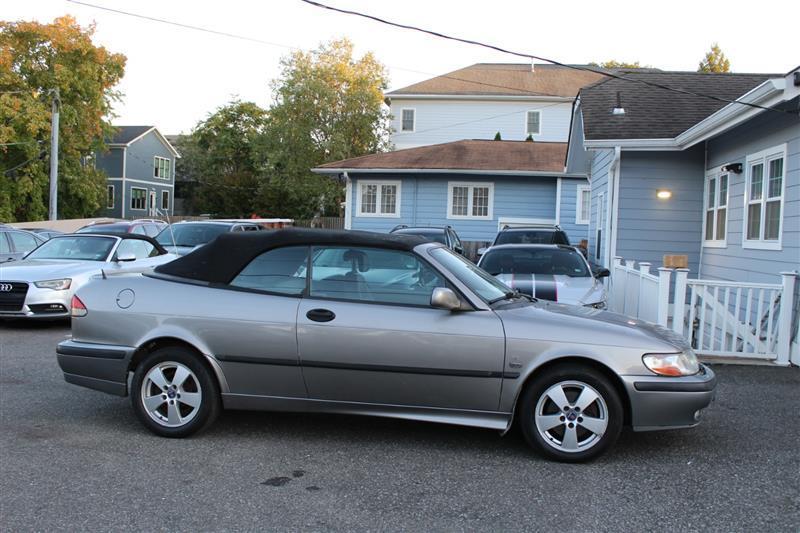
(548, 321)
(42, 269)
(563, 289)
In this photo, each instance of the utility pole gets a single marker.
(54, 155)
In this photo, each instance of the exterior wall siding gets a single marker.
(441, 121)
(111, 162)
(600, 163)
(649, 228)
(733, 262)
(568, 210)
(424, 203)
(140, 159)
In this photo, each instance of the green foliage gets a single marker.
(328, 106)
(529, 138)
(497, 137)
(225, 156)
(35, 59)
(714, 61)
(613, 63)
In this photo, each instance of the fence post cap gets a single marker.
(664, 269)
(682, 270)
(790, 273)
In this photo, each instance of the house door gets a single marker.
(152, 209)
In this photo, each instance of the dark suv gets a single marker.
(143, 226)
(446, 235)
(533, 234)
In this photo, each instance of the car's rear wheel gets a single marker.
(571, 413)
(173, 393)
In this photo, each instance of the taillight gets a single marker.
(78, 309)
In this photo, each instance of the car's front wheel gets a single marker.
(173, 393)
(571, 413)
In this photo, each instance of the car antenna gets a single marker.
(103, 272)
(169, 225)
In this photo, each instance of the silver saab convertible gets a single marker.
(372, 324)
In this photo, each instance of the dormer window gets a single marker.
(407, 120)
(533, 123)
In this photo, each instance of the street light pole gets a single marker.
(54, 156)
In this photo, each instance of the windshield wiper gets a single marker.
(511, 295)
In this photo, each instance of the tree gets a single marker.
(498, 137)
(714, 61)
(36, 58)
(328, 105)
(617, 64)
(225, 157)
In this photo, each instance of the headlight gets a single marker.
(596, 305)
(672, 364)
(55, 284)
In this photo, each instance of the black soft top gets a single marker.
(223, 258)
(121, 235)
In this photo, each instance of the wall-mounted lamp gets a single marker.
(736, 168)
(663, 194)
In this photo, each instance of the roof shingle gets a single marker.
(125, 134)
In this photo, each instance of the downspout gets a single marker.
(348, 199)
(702, 209)
(613, 195)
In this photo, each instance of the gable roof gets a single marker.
(504, 79)
(467, 155)
(653, 112)
(126, 135)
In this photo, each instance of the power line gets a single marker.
(538, 58)
(521, 91)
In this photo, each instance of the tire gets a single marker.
(174, 394)
(587, 428)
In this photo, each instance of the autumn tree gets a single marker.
(714, 61)
(225, 157)
(36, 59)
(613, 63)
(328, 105)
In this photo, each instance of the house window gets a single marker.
(162, 167)
(110, 197)
(470, 200)
(533, 123)
(716, 214)
(379, 198)
(165, 200)
(764, 193)
(583, 208)
(407, 122)
(138, 198)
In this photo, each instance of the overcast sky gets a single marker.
(175, 77)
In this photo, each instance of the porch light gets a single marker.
(663, 194)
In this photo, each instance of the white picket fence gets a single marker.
(718, 318)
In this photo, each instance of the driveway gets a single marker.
(71, 458)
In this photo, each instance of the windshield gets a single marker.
(479, 282)
(431, 235)
(75, 247)
(554, 261)
(531, 236)
(190, 234)
(105, 228)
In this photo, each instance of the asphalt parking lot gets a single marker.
(75, 459)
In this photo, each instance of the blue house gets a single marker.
(476, 186)
(140, 164)
(680, 174)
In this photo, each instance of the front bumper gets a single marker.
(659, 402)
(102, 367)
(42, 304)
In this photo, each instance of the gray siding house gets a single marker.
(140, 165)
(680, 174)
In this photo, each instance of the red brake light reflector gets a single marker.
(78, 308)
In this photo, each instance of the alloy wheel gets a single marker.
(571, 416)
(171, 394)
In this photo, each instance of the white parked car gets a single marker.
(547, 271)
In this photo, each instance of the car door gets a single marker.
(21, 243)
(367, 333)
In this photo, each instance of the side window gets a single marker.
(22, 242)
(282, 270)
(139, 230)
(372, 275)
(559, 237)
(140, 249)
(4, 247)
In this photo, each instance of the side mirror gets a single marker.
(126, 258)
(481, 251)
(459, 250)
(602, 273)
(444, 298)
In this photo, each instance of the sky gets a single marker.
(176, 77)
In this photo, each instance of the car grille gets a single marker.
(12, 300)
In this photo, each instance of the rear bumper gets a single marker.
(669, 403)
(102, 367)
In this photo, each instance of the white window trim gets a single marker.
(162, 200)
(528, 112)
(471, 185)
(146, 196)
(716, 243)
(155, 166)
(579, 204)
(378, 214)
(113, 196)
(764, 156)
(413, 122)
